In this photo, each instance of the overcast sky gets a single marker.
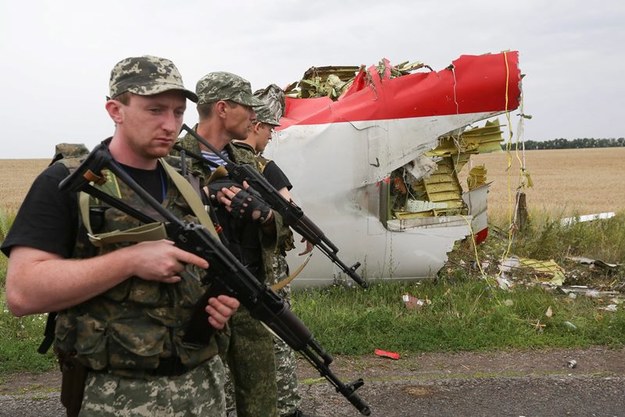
(56, 56)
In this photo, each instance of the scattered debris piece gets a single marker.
(572, 363)
(588, 292)
(549, 269)
(386, 354)
(411, 302)
(570, 325)
(568, 221)
(593, 262)
(504, 283)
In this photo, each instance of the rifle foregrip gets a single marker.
(291, 329)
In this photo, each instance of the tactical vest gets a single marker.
(135, 324)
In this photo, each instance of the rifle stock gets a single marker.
(291, 213)
(226, 275)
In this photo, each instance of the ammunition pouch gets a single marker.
(74, 375)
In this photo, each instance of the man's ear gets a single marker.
(114, 109)
(220, 108)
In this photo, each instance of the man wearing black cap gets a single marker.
(122, 308)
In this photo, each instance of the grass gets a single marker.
(464, 309)
(19, 340)
(463, 315)
(467, 309)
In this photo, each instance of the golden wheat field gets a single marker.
(16, 175)
(565, 182)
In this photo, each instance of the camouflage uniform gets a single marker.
(250, 358)
(286, 377)
(127, 333)
(250, 379)
(191, 394)
(288, 396)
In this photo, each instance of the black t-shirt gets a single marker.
(276, 177)
(48, 218)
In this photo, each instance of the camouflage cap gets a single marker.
(217, 86)
(265, 115)
(273, 98)
(145, 76)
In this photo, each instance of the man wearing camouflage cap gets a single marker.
(226, 111)
(260, 133)
(122, 308)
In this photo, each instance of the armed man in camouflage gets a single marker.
(122, 308)
(252, 230)
(260, 133)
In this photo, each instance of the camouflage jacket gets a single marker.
(135, 324)
(270, 245)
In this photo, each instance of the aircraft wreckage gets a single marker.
(374, 155)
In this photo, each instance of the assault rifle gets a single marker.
(292, 214)
(225, 274)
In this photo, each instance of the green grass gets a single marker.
(467, 311)
(19, 340)
(468, 315)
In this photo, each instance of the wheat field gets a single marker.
(565, 182)
(16, 176)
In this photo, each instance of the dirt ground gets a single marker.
(506, 383)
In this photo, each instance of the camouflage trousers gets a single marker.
(288, 399)
(197, 393)
(288, 396)
(251, 371)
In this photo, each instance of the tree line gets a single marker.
(562, 143)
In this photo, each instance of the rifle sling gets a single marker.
(286, 281)
(151, 231)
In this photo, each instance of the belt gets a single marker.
(166, 367)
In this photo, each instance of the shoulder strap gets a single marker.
(191, 197)
(151, 231)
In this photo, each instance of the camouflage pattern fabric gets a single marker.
(103, 330)
(273, 97)
(69, 151)
(145, 76)
(264, 115)
(277, 269)
(250, 362)
(288, 398)
(220, 85)
(286, 365)
(249, 357)
(198, 393)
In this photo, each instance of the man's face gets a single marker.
(238, 120)
(151, 124)
(266, 132)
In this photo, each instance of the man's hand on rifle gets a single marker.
(161, 261)
(220, 309)
(309, 247)
(244, 204)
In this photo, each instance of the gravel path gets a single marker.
(512, 383)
